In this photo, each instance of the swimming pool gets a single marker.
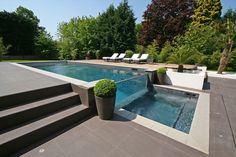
(170, 107)
(88, 72)
(167, 106)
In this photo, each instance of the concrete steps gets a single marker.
(17, 139)
(20, 114)
(21, 98)
(28, 117)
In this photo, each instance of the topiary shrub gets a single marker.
(161, 71)
(129, 53)
(105, 88)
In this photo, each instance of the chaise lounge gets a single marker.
(143, 58)
(110, 58)
(135, 56)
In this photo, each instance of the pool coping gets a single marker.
(198, 136)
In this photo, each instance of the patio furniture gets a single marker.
(143, 58)
(109, 58)
(119, 58)
(135, 56)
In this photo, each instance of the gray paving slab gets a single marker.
(14, 79)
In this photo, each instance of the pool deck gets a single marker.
(122, 137)
(133, 65)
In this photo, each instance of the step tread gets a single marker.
(35, 104)
(13, 134)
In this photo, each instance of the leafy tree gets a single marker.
(229, 36)
(77, 37)
(207, 12)
(117, 28)
(19, 30)
(3, 49)
(165, 19)
(45, 46)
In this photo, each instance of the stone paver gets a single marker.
(14, 79)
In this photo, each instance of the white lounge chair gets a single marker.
(143, 58)
(135, 56)
(120, 57)
(112, 57)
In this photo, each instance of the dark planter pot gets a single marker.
(105, 107)
(87, 58)
(161, 78)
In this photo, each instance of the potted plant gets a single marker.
(87, 57)
(161, 72)
(105, 96)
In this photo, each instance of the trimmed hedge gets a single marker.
(105, 88)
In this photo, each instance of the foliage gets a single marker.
(129, 53)
(45, 46)
(232, 61)
(3, 49)
(161, 71)
(183, 55)
(228, 29)
(105, 88)
(165, 52)
(77, 36)
(138, 28)
(98, 54)
(140, 49)
(165, 19)
(152, 51)
(19, 30)
(117, 28)
(207, 12)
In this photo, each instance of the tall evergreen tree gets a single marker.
(165, 19)
(117, 28)
(207, 12)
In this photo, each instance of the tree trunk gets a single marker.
(180, 68)
(225, 57)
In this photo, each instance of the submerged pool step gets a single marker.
(20, 138)
(20, 114)
(18, 99)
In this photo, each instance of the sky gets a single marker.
(52, 12)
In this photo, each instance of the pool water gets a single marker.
(87, 72)
(169, 107)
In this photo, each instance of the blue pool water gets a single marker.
(88, 72)
(169, 107)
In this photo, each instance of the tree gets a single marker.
(207, 12)
(117, 28)
(3, 49)
(45, 46)
(165, 19)
(77, 37)
(19, 30)
(229, 25)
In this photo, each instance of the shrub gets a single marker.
(98, 54)
(152, 51)
(105, 88)
(140, 49)
(129, 53)
(3, 49)
(161, 71)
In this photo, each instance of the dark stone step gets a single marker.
(20, 138)
(18, 99)
(21, 114)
